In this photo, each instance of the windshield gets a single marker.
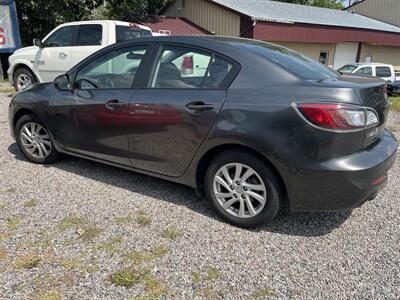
(347, 69)
(295, 62)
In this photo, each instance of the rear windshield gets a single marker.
(124, 33)
(295, 62)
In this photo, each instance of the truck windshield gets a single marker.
(124, 33)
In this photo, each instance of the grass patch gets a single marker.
(7, 90)
(262, 293)
(3, 253)
(207, 293)
(28, 261)
(92, 268)
(122, 220)
(128, 277)
(137, 257)
(72, 263)
(69, 222)
(30, 203)
(11, 190)
(392, 128)
(154, 287)
(142, 219)
(12, 223)
(89, 233)
(210, 274)
(171, 233)
(394, 104)
(110, 246)
(49, 295)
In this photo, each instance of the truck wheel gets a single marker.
(23, 78)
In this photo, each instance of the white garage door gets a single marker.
(345, 54)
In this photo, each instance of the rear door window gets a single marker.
(124, 33)
(383, 72)
(364, 71)
(186, 68)
(89, 35)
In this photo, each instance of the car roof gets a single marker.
(371, 64)
(116, 22)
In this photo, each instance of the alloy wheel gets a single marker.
(23, 82)
(35, 140)
(239, 190)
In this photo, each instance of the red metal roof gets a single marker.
(270, 31)
(174, 26)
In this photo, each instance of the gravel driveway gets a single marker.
(82, 230)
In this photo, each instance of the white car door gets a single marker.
(90, 38)
(54, 58)
(385, 73)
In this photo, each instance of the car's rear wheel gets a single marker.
(242, 189)
(23, 78)
(34, 140)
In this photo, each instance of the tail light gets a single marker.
(334, 116)
(187, 65)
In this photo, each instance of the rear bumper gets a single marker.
(343, 183)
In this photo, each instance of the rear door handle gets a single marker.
(199, 107)
(115, 104)
(63, 55)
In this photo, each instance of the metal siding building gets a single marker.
(336, 36)
(384, 10)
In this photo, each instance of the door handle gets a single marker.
(199, 107)
(114, 104)
(63, 55)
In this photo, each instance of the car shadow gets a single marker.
(296, 224)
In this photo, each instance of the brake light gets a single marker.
(336, 116)
(187, 65)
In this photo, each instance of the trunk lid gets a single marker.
(371, 92)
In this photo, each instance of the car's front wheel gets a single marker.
(23, 78)
(242, 189)
(34, 140)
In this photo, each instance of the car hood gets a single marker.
(25, 50)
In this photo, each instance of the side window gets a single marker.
(364, 70)
(61, 37)
(124, 33)
(181, 67)
(89, 35)
(114, 70)
(383, 72)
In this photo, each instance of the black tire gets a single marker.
(273, 196)
(53, 153)
(23, 71)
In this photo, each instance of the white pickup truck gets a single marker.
(64, 47)
(383, 71)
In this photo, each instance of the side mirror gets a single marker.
(61, 83)
(38, 42)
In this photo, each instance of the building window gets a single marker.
(323, 57)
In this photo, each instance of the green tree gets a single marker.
(337, 4)
(131, 10)
(37, 18)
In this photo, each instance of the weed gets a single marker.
(171, 233)
(11, 190)
(69, 222)
(3, 254)
(395, 104)
(122, 220)
(143, 220)
(128, 277)
(12, 223)
(49, 295)
(262, 293)
(72, 263)
(30, 203)
(89, 233)
(28, 261)
(111, 246)
(213, 273)
(7, 90)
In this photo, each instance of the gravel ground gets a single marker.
(65, 229)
